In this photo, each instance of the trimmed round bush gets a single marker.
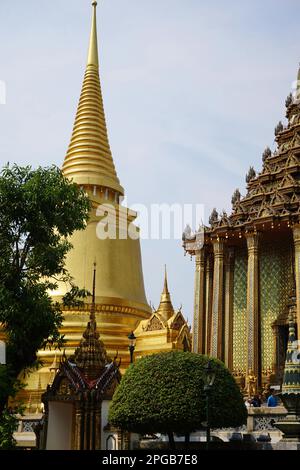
(165, 393)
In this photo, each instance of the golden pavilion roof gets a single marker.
(89, 159)
(164, 317)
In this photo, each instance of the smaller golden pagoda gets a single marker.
(165, 330)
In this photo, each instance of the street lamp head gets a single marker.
(210, 374)
(131, 346)
(132, 338)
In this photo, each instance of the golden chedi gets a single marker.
(120, 302)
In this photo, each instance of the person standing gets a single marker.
(272, 400)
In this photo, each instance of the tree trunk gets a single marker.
(171, 440)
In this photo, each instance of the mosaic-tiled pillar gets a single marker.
(199, 304)
(208, 300)
(253, 306)
(217, 304)
(228, 330)
(296, 234)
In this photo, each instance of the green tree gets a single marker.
(39, 210)
(8, 425)
(165, 393)
(8, 417)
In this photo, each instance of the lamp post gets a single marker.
(209, 381)
(131, 346)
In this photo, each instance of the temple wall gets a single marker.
(240, 312)
(275, 286)
(59, 435)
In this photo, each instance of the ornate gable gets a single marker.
(178, 322)
(155, 324)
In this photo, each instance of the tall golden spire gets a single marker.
(93, 49)
(89, 159)
(165, 309)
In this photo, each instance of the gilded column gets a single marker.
(218, 297)
(199, 304)
(253, 307)
(296, 234)
(228, 333)
(208, 301)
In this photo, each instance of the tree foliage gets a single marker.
(165, 393)
(8, 417)
(8, 425)
(39, 210)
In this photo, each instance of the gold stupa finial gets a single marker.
(89, 159)
(93, 48)
(166, 290)
(93, 307)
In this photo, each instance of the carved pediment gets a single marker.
(266, 168)
(278, 199)
(178, 322)
(155, 324)
(285, 146)
(295, 199)
(284, 212)
(265, 211)
(296, 140)
(239, 222)
(292, 161)
(287, 182)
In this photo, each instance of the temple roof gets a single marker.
(272, 195)
(89, 159)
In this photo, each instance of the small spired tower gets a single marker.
(77, 402)
(290, 392)
(165, 330)
(120, 301)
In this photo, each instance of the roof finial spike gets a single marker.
(93, 48)
(165, 309)
(166, 290)
(93, 306)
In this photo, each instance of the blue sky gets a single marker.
(192, 92)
